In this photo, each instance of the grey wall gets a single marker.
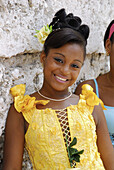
(20, 50)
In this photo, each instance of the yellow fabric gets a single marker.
(44, 138)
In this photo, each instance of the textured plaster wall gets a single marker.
(20, 50)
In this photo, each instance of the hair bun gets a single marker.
(61, 14)
(84, 29)
(73, 22)
(62, 20)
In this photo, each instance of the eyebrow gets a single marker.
(74, 60)
(79, 61)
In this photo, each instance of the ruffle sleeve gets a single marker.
(89, 99)
(25, 104)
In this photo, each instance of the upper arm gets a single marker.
(104, 144)
(14, 141)
(79, 87)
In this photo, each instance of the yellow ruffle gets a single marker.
(18, 90)
(89, 98)
(25, 104)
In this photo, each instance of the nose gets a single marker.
(65, 70)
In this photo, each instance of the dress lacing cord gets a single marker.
(63, 119)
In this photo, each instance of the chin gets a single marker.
(58, 88)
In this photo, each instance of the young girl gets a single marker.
(104, 85)
(59, 129)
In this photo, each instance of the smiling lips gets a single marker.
(60, 79)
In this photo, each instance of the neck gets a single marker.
(51, 93)
(111, 76)
(56, 100)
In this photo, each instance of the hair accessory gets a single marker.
(111, 31)
(62, 20)
(56, 100)
(43, 33)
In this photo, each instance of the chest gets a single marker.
(45, 127)
(44, 137)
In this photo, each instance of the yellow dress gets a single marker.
(44, 138)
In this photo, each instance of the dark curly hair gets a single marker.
(66, 29)
(107, 33)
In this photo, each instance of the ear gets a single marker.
(42, 57)
(108, 46)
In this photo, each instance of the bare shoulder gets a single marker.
(90, 82)
(13, 112)
(14, 119)
(14, 140)
(103, 140)
(98, 114)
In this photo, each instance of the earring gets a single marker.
(42, 65)
(107, 53)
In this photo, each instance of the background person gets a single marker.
(104, 85)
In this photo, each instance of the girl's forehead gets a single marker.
(70, 51)
(68, 47)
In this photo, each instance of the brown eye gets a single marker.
(58, 60)
(75, 65)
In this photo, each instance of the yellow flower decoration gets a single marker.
(90, 97)
(43, 102)
(18, 90)
(86, 88)
(24, 103)
(43, 33)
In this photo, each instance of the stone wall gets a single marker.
(20, 50)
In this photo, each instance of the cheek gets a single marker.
(75, 74)
(48, 62)
(49, 67)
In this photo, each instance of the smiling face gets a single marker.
(62, 66)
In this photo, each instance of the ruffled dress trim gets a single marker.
(24, 103)
(27, 105)
(89, 99)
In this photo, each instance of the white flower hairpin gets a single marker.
(43, 33)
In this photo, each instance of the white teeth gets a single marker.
(61, 78)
